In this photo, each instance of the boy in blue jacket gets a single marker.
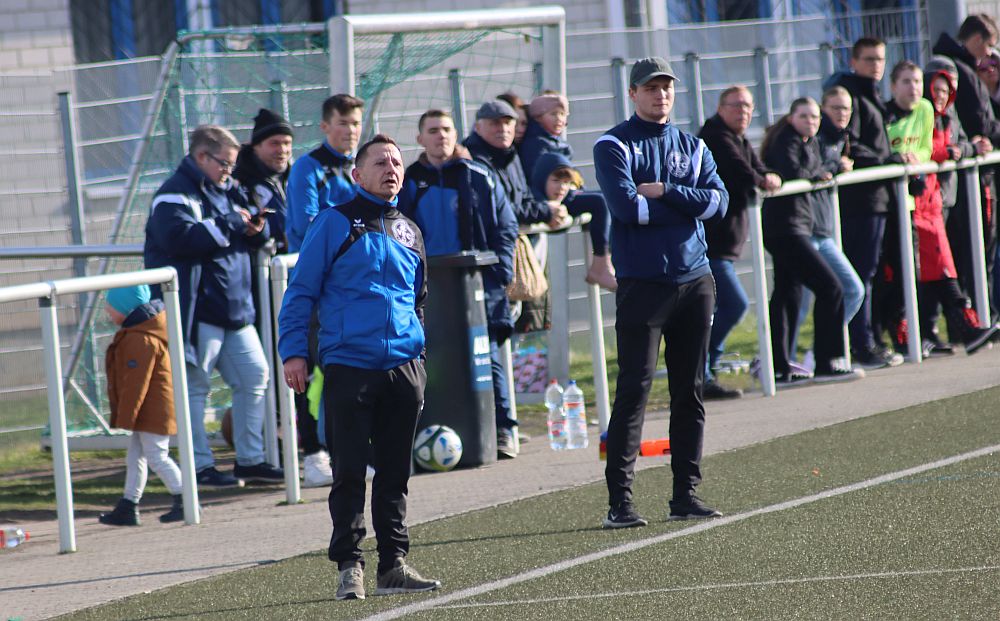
(661, 185)
(362, 265)
(458, 206)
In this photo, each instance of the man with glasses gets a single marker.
(742, 172)
(864, 206)
(200, 224)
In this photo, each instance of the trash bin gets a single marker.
(459, 390)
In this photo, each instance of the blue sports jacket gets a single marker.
(319, 179)
(194, 227)
(461, 207)
(660, 239)
(362, 265)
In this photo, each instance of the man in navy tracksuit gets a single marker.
(200, 224)
(458, 206)
(362, 265)
(661, 185)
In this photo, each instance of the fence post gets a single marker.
(507, 361)
(178, 366)
(458, 104)
(694, 71)
(279, 97)
(57, 423)
(619, 84)
(766, 372)
(909, 274)
(539, 72)
(763, 68)
(837, 238)
(286, 399)
(598, 356)
(265, 328)
(558, 267)
(977, 245)
(826, 59)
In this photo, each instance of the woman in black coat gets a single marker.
(790, 149)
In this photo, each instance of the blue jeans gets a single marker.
(239, 357)
(501, 394)
(854, 289)
(731, 304)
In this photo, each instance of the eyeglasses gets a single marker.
(223, 164)
(742, 105)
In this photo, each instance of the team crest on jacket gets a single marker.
(403, 233)
(678, 164)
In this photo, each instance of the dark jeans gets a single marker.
(796, 263)
(380, 408)
(681, 315)
(600, 218)
(862, 239)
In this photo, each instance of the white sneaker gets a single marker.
(317, 472)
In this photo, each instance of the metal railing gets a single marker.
(46, 294)
(899, 174)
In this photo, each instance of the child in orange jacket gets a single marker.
(141, 394)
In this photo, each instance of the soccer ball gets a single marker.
(437, 448)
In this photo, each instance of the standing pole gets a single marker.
(909, 273)
(763, 68)
(265, 326)
(619, 83)
(598, 356)
(458, 104)
(977, 245)
(507, 361)
(766, 372)
(558, 264)
(178, 367)
(837, 239)
(286, 399)
(694, 90)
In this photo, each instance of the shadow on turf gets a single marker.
(49, 585)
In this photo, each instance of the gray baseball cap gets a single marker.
(496, 109)
(645, 69)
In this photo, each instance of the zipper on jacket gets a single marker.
(385, 288)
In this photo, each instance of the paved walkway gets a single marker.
(37, 583)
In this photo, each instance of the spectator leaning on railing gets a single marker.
(743, 173)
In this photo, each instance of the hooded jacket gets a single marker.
(947, 127)
(869, 145)
(506, 166)
(362, 267)
(833, 144)
(140, 387)
(265, 189)
(460, 206)
(972, 101)
(793, 158)
(319, 179)
(537, 142)
(659, 239)
(742, 172)
(194, 227)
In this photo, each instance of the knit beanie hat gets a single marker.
(127, 299)
(545, 103)
(267, 124)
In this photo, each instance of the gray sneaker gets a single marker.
(352, 584)
(403, 579)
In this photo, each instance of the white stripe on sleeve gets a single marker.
(714, 201)
(621, 145)
(177, 199)
(213, 230)
(698, 155)
(643, 209)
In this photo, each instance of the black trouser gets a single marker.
(309, 440)
(948, 294)
(365, 406)
(682, 316)
(797, 262)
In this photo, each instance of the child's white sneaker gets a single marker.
(317, 471)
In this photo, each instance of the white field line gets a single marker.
(730, 585)
(625, 548)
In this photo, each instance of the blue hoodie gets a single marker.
(536, 143)
(362, 265)
(544, 166)
(661, 239)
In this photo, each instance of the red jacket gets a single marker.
(936, 262)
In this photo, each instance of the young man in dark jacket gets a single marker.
(661, 185)
(743, 173)
(459, 206)
(362, 265)
(864, 206)
(201, 225)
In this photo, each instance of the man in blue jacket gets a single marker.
(661, 185)
(322, 177)
(362, 266)
(458, 206)
(200, 224)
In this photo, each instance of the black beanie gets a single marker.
(267, 124)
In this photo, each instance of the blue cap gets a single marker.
(127, 299)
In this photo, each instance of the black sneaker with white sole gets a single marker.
(838, 374)
(623, 516)
(691, 508)
(978, 337)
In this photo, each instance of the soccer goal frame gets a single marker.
(343, 30)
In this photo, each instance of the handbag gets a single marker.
(529, 281)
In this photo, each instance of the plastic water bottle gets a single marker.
(11, 537)
(556, 416)
(576, 417)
